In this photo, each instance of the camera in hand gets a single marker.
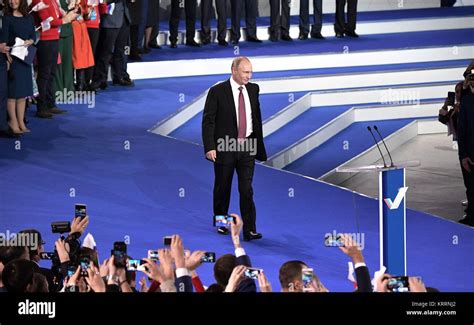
(398, 284)
(60, 227)
(80, 211)
(223, 221)
(47, 255)
(333, 241)
(252, 273)
(153, 255)
(167, 240)
(307, 279)
(136, 265)
(209, 257)
(120, 254)
(85, 263)
(451, 98)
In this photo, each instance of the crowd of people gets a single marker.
(76, 268)
(72, 43)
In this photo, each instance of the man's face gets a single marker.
(243, 73)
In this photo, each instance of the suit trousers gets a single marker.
(317, 17)
(251, 11)
(47, 55)
(190, 7)
(206, 13)
(341, 23)
(279, 23)
(244, 164)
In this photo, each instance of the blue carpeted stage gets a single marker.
(141, 186)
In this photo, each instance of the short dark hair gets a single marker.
(39, 283)
(289, 272)
(92, 254)
(22, 8)
(18, 274)
(34, 232)
(223, 268)
(215, 287)
(10, 253)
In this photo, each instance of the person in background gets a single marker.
(190, 7)
(251, 12)
(342, 26)
(47, 55)
(17, 23)
(280, 23)
(317, 20)
(206, 14)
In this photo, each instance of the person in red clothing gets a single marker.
(47, 55)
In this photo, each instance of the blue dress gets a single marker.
(20, 83)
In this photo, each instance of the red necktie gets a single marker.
(242, 116)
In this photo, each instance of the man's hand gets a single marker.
(94, 280)
(177, 251)
(62, 251)
(416, 285)
(153, 271)
(235, 229)
(166, 261)
(194, 260)
(382, 282)
(235, 278)
(466, 164)
(351, 249)
(211, 155)
(79, 225)
(263, 283)
(4, 48)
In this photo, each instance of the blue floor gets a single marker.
(135, 194)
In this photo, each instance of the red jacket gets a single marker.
(52, 11)
(99, 10)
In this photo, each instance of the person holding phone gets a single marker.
(232, 116)
(466, 147)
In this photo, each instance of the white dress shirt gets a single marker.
(248, 108)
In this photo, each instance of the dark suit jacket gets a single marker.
(363, 279)
(116, 20)
(184, 284)
(466, 127)
(220, 121)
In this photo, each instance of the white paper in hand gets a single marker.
(89, 241)
(39, 6)
(19, 50)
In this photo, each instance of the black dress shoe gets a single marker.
(154, 46)
(44, 114)
(254, 40)
(135, 57)
(223, 42)
(56, 110)
(126, 82)
(205, 41)
(318, 36)
(173, 45)
(467, 221)
(96, 85)
(222, 230)
(192, 43)
(351, 33)
(234, 42)
(339, 35)
(303, 37)
(273, 38)
(287, 38)
(252, 236)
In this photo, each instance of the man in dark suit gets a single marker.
(466, 147)
(206, 13)
(317, 19)
(233, 138)
(341, 26)
(114, 35)
(190, 7)
(251, 11)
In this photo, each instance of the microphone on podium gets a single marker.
(377, 130)
(377, 144)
